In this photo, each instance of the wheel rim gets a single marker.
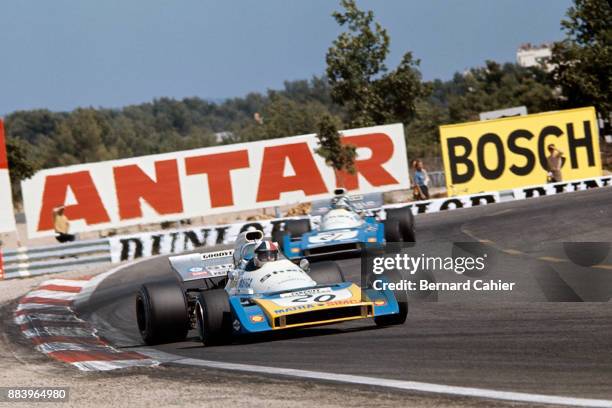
(200, 320)
(141, 314)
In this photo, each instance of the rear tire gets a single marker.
(401, 296)
(406, 220)
(213, 317)
(392, 231)
(278, 236)
(161, 313)
(326, 273)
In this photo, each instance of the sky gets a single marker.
(64, 54)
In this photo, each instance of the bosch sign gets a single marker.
(512, 152)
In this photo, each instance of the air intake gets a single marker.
(255, 235)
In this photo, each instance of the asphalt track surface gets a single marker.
(522, 341)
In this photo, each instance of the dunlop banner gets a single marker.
(510, 153)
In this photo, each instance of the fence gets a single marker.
(437, 179)
(23, 262)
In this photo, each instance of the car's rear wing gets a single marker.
(361, 202)
(202, 265)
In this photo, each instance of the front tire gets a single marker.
(213, 317)
(401, 296)
(161, 313)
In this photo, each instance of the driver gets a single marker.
(265, 252)
(341, 203)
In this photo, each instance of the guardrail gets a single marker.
(437, 179)
(24, 262)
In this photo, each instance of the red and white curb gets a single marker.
(45, 315)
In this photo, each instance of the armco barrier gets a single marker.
(23, 262)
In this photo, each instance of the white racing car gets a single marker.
(253, 289)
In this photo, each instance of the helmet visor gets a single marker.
(267, 256)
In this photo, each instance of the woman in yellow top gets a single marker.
(61, 226)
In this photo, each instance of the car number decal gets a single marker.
(312, 297)
(332, 236)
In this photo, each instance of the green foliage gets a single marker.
(583, 61)
(360, 80)
(283, 117)
(19, 158)
(496, 86)
(21, 163)
(480, 89)
(339, 156)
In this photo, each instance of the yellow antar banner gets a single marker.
(509, 153)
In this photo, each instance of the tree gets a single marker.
(20, 164)
(341, 157)
(284, 117)
(583, 60)
(480, 89)
(359, 78)
(496, 86)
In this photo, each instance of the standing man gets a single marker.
(554, 161)
(421, 179)
(61, 226)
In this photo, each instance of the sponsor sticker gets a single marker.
(217, 254)
(236, 325)
(306, 292)
(256, 318)
(199, 273)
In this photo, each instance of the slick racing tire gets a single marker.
(326, 273)
(278, 236)
(401, 296)
(213, 317)
(406, 222)
(161, 313)
(393, 232)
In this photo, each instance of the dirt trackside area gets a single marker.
(170, 386)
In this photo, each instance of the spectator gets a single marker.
(61, 226)
(554, 161)
(421, 180)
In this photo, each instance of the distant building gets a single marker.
(529, 55)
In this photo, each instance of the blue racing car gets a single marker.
(253, 289)
(346, 224)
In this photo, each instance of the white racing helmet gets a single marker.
(265, 252)
(341, 203)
